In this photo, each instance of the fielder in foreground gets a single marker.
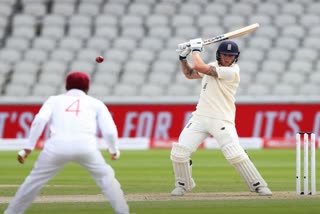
(214, 115)
(73, 119)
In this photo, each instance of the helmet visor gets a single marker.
(229, 53)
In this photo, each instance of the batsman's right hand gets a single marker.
(183, 50)
(183, 46)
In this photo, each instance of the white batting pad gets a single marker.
(180, 157)
(237, 157)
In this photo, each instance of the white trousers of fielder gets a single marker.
(50, 163)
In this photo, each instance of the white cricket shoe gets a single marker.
(178, 191)
(264, 191)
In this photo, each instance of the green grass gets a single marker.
(151, 171)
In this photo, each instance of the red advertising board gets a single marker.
(277, 120)
(164, 122)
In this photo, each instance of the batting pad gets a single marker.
(180, 157)
(237, 157)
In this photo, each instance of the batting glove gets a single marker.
(196, 44)
(184, 53)
(183, 50)
(182, 46)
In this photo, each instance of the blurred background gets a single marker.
(43, 40)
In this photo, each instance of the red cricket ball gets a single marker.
(99, 59)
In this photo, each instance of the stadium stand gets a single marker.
(48, 38)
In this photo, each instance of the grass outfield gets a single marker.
(150, 172)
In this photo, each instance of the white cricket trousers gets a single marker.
(50, 163)
(199, 128)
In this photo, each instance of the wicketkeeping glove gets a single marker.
(196, 44)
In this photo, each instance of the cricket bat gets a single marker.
(229, 35)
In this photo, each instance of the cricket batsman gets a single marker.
(214, 116)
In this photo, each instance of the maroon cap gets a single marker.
(77, 80)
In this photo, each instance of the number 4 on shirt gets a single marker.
(74, 107)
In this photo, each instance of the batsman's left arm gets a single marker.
(200, 66)
(188, 71)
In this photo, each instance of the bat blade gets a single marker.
(225, 36)
(232, 34)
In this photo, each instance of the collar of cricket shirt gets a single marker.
(75, 92)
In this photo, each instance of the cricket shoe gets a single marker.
(264, 191)
(178, 191)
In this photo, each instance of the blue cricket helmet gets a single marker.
(228, 47)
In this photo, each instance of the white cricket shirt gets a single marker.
(74, 115)
(217, 97)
